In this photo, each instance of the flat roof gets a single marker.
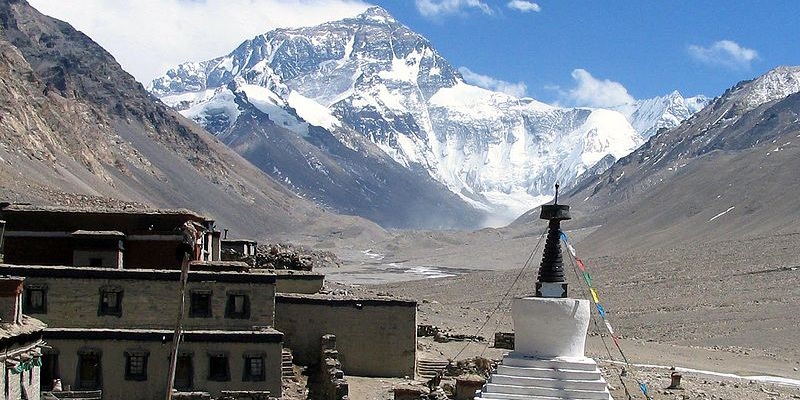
(69, 272)
(266, 335)
(342, 301)
(23, 207)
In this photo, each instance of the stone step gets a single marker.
(556, 373)
(428, 368)
(502, 396)
(570, 363)
(492, 388)
(597, 384)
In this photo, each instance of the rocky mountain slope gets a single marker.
(373, 75)
(72, 121)
(730, 171)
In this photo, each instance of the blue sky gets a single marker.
(650, 47)
(575, 52)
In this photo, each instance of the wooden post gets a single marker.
(189, 238)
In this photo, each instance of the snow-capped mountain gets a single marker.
(372, 74)
(650, 115)
(729, 171)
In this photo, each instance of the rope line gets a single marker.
(597, 326)
(502, 300)
(601, 311)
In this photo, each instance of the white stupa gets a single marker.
(548, 360)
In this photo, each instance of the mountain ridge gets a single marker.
(385, 89)
(72, 121)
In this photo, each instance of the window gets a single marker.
(200, 304)
(89, 369)
(95, 262)
(184, 372)
(218, 367)
(136, 365)
(35, 299)
(49, 370)
(110, 301)
(253, 368)
(238, 306)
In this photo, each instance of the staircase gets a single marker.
(522, 377)
(287, 364)
(428, 368)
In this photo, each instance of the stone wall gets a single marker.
(115, 386)
(327, 381)
(150, 298)
(374, 337)
(303, 282)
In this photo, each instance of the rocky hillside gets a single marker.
(728, 172)
(72, 121)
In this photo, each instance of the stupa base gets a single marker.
(521, 376)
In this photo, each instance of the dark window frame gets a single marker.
(49, 363)
(98, 369)
(130, 355)
(188, 359)
(219, 367)
(194, 308)
(105, 308)
(248, 375)
(230, 306)
(27, 306)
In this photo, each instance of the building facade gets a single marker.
(21, 344)
(131, 238)
(111, 329)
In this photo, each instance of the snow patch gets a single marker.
(313, 112)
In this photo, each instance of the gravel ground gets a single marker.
(727, 307)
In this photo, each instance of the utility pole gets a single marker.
(187, 249)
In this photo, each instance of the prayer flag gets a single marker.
(644, 388)
(610, 329)
(581, 266)
(594, 295)
(601, 310)
(587, 278)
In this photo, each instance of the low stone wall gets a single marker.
(327, 381)
(374, 337)
(301, 282)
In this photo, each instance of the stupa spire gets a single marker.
(551, 281)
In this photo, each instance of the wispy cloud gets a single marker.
(439, 8)
(592, 92)
(523, 6)
(149, 36)
(726, 53)
(487, 82)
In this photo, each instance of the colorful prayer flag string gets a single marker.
(600, 309)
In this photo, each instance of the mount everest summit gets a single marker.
(355, 112)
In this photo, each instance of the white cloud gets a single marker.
(438, 8)
(487, 82)
(592, 92)
(523, 6)
(724, 52)
(149, 36)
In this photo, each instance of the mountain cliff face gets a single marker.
(72, 121)
(727, 172)
(372, 75)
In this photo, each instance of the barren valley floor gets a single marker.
(727, 307)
